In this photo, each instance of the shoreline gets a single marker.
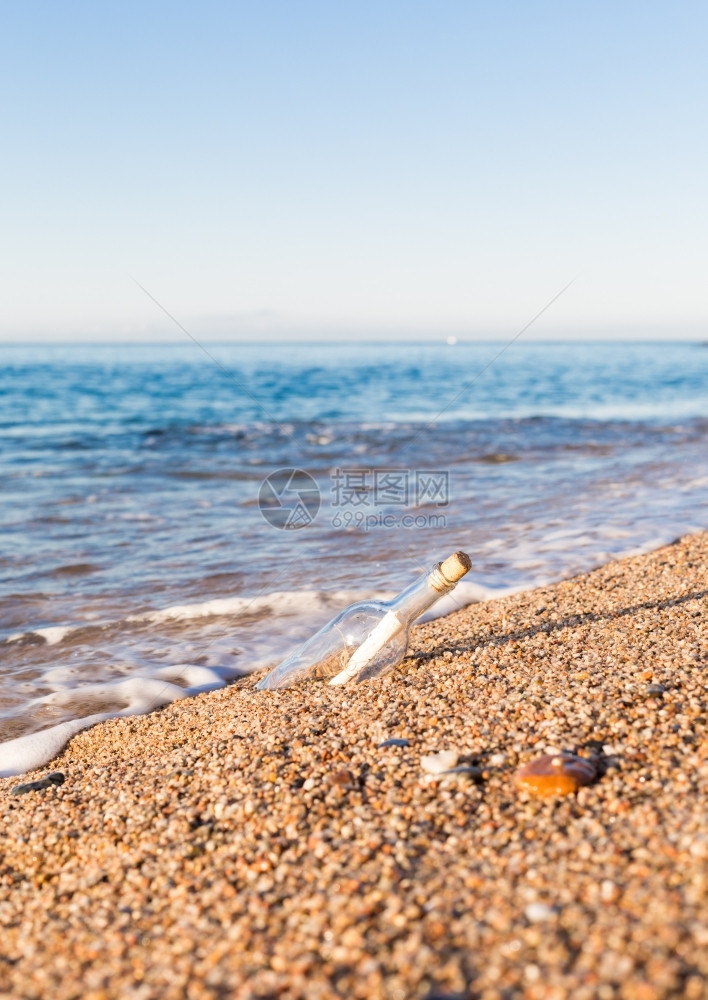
(253, 844)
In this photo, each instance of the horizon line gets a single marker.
(368, 342)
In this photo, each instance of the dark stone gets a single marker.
(55, 778)
(654, 690)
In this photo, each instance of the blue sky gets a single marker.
(372, 169)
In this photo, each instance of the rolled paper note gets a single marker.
(389, 626)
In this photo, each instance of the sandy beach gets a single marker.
(255, 845)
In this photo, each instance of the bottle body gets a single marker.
(329, 652)
(369, 638)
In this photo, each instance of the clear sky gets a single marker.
(329, 168)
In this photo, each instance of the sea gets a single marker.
(177, 516)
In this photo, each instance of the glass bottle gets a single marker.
(369, 638)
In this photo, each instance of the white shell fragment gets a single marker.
(538, 912)
(437, 763)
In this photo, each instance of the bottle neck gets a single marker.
(414, 600)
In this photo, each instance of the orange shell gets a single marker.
(556, 774)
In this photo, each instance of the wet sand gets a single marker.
(256, 845)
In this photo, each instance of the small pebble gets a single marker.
(608, 891)
(55, 778)
(436, 763)
(395, 741)
(537, 912)
(559, 774)
(342, 778)
(699, 847)
(465, 771)
(654, 690)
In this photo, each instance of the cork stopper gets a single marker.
(455, 566)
